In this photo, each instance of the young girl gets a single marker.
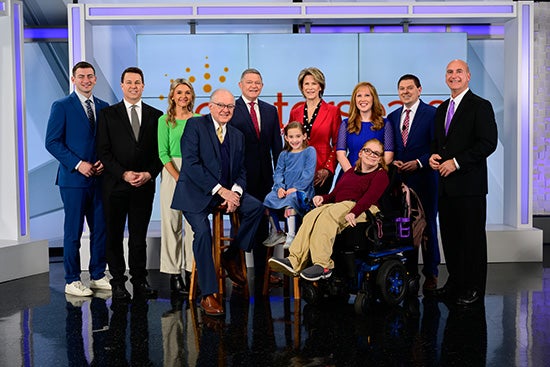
(358, 190)
(293, 182)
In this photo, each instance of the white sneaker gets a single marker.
(102, 283)
(76, 288)
(275, 238)
(288, 242)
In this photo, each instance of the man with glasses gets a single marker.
(213, 173)
(70, 138)
(413, 127)
(259, 123)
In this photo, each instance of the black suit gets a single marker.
(261, 156)
(471, 138)
(120, 152)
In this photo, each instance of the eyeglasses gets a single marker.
(222, 106)
(372, 152)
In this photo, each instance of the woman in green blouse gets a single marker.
(181, 100)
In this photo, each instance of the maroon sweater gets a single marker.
(363, 188)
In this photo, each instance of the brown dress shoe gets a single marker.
(233, 269)
(430, 283)
(211, 306)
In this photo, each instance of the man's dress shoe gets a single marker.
(120, 293)
(233, 270)
(177, 286)
(445, 294)
(211, 306)
(144, 290)
(469, 298)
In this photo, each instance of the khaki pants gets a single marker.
(316, 235)
(171, 252)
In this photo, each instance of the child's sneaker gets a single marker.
(288, 242)
(275, 238)
(316, 272)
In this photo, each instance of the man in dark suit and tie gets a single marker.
(413, 126)
(465, 135)
(213, 173)
(127, 145)
(259, 123)
(70, 138)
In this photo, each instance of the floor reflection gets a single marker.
(276, 331)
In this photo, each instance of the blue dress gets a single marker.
(354, 142)
(294, 170)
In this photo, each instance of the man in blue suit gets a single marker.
(259, 123)
(70, 138)
(213, 173)
(413, 126)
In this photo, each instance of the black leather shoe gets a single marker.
(120, 293)
(144, 290)
(444, 294)
(177, 286)
(469, 298)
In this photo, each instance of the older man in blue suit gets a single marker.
(70, 138)
(413, 126)
(213, 173)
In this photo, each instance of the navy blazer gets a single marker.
(201, 168)
(70, 139)
(419, 141)
(471, 138)
(119, 151)
(261, 153)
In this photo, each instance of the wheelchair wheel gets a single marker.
(310, 292)
(392, 282)
(362, 301)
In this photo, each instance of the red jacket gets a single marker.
(324, 133)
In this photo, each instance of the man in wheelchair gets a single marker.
(357, 192)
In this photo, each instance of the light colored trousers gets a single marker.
(316, 235)
(171, 252)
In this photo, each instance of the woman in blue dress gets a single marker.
(365, 122)
(293, 184)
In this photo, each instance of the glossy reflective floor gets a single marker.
(40, 326)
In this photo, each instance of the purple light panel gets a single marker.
(77, 47)
(526, 102)
(137, 11)
(21, 168)
(463, 9)
(248, 10)
(427, 29)
(46, 33)
(2, 6)
(479, 30)
(355, 10)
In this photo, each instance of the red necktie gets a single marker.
(254, 118)
(405, 129)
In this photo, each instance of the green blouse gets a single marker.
(169, 138)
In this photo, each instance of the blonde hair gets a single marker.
(171, 112)
(382, 164)
(354, 120)
(317, 75)
(295, 125)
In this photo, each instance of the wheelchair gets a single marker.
(376, 261)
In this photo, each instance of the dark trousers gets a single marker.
(80, 203)
(136, 205)
(462, 224)
(250, 212)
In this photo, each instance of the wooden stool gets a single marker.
(286, 279)
(218, 245)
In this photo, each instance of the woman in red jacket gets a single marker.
(321, 121)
